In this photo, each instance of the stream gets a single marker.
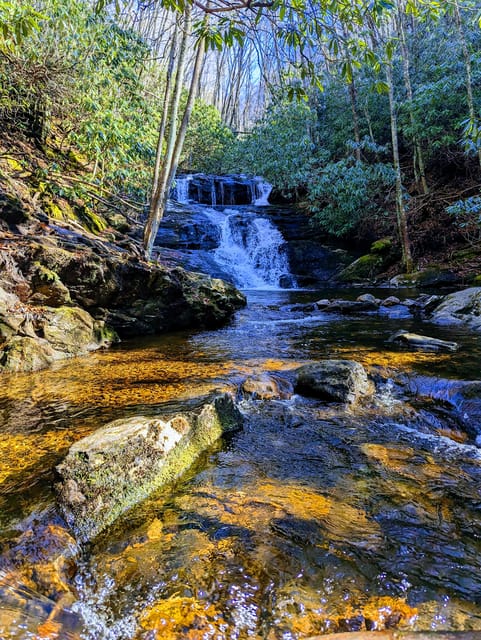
(312, 519)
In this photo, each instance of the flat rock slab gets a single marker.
(119, 465)
(426, 343)
(334, 381)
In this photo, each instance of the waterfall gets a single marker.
(181, 188)
(251, 250)
(221, 190)
(262, 191)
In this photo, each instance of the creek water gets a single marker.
(313, 518)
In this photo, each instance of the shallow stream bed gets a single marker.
(312, 519)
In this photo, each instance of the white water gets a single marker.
(251, 249)
(182, 188)
(262, 192)
(259, 189)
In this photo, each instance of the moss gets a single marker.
(477, 281)
(93, 221)
(106, 335)
(364, 268)
(13, 164)
(44, 274)
(52, 210)
(381, 246)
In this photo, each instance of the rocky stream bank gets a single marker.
(65, 291)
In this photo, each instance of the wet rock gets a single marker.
(463, 395)
(44, 558)
(461, 307)
(390, 301)
(117, 466)
(369, 299)
(23, 353)
(267, 387)
(334, 381)
(430, 277)
(33, 337)
(423, 342)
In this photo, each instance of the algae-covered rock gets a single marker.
(24, 353)
(334, 381)
(381, 246)
(116, 467)
(432, 276)
(365, 268)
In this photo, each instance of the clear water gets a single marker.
(312, 519)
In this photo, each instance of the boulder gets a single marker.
(390, 301)
(425, 343)
(334, 381)
(267, 387)
(461, 307)
(430, 277)
(364, 269)
(109, 471)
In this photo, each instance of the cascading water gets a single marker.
(251, 250)
(221, 190)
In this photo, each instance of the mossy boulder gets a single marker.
(381, 247)
(432, 276)
(48, 287)
(24, 353)
(363, 269)
(119, 465)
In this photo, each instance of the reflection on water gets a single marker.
(310, 520)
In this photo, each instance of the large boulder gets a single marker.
(334, 381)
(109, 471)
(31, 338)
(461, 307)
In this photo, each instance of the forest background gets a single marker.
(366, 114)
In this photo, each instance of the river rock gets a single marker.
(423, 342)
(267, 387)
(461, 307)
(334, 381)
(116, 467)
(32, 337)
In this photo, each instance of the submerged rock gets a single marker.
(267, 387)
(334, 381)
(423, 342)
(116, 467)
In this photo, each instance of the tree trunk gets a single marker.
(193, 89)
(400, 209)
(418, 160)
(165, 112)
(467, 68)
(159, 197)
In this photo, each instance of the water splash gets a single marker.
(251, 250)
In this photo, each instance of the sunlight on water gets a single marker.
(312, 519)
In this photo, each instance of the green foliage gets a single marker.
(280, 147)
(344, 193)
(17, 21)
(208, 140)
(467, 216)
